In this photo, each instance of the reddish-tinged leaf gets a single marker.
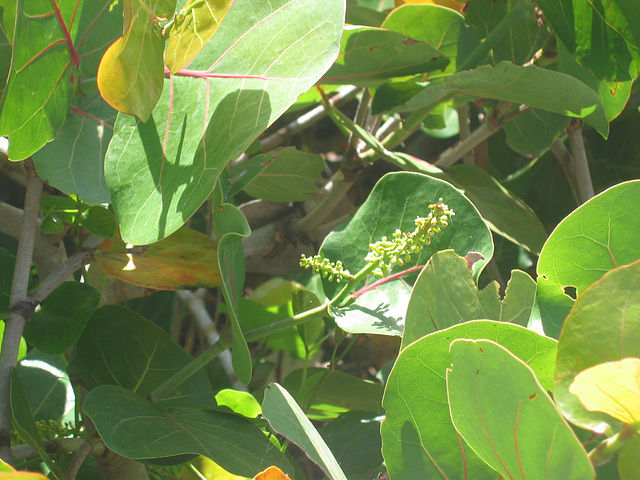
(131, 73)
(185, 259)
(272, 473)
(192, 29)
(49, 36)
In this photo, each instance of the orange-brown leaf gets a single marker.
(272, 473)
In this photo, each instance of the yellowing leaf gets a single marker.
(612, 388)
(22, 476)
(192, 29)
(272, 473)
(453, 4)
(131, 72)
(184, 259)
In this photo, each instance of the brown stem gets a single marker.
(580, 165)
(20, 306)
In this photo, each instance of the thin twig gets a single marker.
(465, 131)
(19, 305)
(563, 156)
(580, 163)
(78, 459)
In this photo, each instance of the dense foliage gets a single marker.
(350, 239)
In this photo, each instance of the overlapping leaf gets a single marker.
(264, 56)
(192, 28)
(50, 39)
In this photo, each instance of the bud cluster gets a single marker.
(329, 269)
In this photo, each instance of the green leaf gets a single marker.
(354, 439)
(131, 73)
(370, 55)
(505, 213)
(62, 316)
(628, 458)
(25, 424)
(133, 427)
(603, 36)
(50, 41)
(47, 387)
(230, 225)
(287, 418)
(441, 27)
(418, 438)
(74, 161)
(597, 237)
(596, 332)
(242, 403)
(22, 350)
(287, 175)
(505, 415)
(523, 39)
(539, 88)
(192, 28)
(445, 294)
(534, 130)
(394, 203)
(161, 171)
(99, 221)
(119, 347)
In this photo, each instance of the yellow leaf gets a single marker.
(458, 6)
(272, 473)
(612, 388)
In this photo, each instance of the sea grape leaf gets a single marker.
(418, 438)
(287, 175)
(184, 259)
(192, 28)
(74, 161)
(505, 213)
(354, 439)
(394, 203)
(370, 55)
(230, 226)
(47, 387)
(611, 388)
(265, 55)
(287, 418)
(133, 427)
(536, 87)
(534, 130)
(50, 40)
(456, 5)
(628, 458)
(7, 24)
(445, 294)
(25, 424)
(443, 28)
(131, 73)
(597, 237)
(62, 316)
(120, 347)
(523, 39)
(272, 473)
(242, 403)
(603, 36)
(507, 417)
(597, 332)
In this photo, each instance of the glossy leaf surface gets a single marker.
(597, 237)
(136, 428)
(287, 418)
(418, 438)
(192, 28)
(505, 415)
(597, 332)
(160, 172)
(184, 259)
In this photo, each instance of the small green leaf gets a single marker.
(287, 418)
(242, 403)
(534, 130)
(99, 221)
(505, 415)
